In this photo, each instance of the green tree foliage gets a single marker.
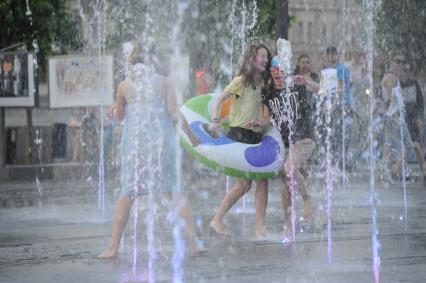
(107, 24)
(267, 18)
(205, 36)
(118, 21)
(400, 25)
(46, 22)
(214, 33)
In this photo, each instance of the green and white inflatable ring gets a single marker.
(251, 161)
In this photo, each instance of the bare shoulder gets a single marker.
(122, 86)
(121, 89)
(389, 80)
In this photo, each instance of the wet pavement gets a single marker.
(59, 242)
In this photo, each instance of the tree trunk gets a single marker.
(282, 19)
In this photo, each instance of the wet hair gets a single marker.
(135, 55)
(248, 69)
(331, 50)
(397, 52)
(301, 56)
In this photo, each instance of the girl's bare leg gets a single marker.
(286, 202)
(241, 187)
(285, 198)
(261, 202)
(420, 158)
(185, 212)
(308, 204)
(121, 216)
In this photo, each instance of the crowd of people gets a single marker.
(262, 98)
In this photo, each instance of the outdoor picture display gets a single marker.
(16, 79)
(76, 81)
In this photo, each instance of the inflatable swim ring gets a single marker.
(252, 161)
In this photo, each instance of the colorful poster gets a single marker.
(76, 81)
(16, 79)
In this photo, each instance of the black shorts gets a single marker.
(244, 135)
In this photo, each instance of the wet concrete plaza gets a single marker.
(59, 242)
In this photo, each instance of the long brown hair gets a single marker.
(248, 66)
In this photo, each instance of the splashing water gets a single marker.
(369, 10)
(179, 225)
(397, 92)
(287, 116)
(101, 21)
(328, 92)
(142, 79)
(39, 141)
(242, 21)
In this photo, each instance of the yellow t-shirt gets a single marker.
(246, 103)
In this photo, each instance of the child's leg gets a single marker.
(308, 205)
(286, 202)
(121, 216)
(300, 153)
(420, 157)
(261, 202)
(241, 187)
(185, 212)
(285, 198)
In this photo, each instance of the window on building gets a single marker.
(59, 143)
(11, 145)
(301, 32)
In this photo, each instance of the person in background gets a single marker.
(310, 88)
(396, 132)
(342, 108)
(414, 113)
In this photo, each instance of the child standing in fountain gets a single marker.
(290, 113)
(147, 103)
(246, 125)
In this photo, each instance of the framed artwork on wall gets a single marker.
(80, 81)
(16, 79)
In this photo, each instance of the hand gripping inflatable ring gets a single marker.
(252, 161)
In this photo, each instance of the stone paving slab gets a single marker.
(58, 243)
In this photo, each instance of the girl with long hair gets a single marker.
(247, 123)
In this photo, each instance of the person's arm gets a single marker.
(120, 107)
(176, 116)
(312, 86)
(215, 123)
(420, 101)
(264, 121)
(388, 83)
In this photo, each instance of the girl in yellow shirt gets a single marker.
(247, 121)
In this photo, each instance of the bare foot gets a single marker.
(218, 228)
(198, 251)
(261, 232)
(308, 207)
(108, 254)
(287, 235)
